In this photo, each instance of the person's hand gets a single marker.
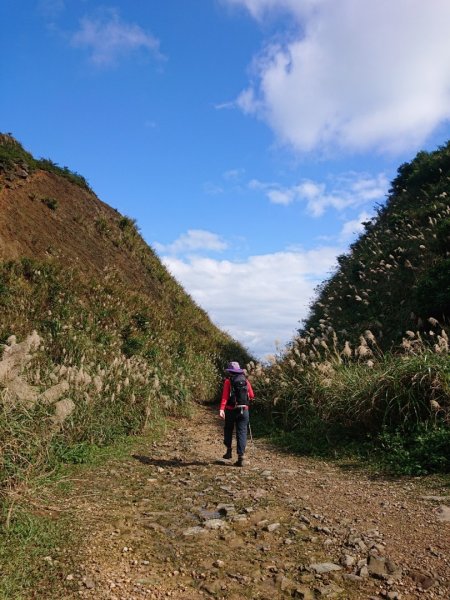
(222, 414)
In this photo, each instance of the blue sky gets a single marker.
(249, 138)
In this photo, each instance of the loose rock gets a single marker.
(325, 567)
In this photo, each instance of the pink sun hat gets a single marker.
(234, 367)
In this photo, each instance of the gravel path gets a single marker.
(176, 521)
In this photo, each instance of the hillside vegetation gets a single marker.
(98, 339)
(371, 362)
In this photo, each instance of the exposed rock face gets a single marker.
(45, 215)
(14, 360)
(54, 393)
(63, 410)
(17, 391)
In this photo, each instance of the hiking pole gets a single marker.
(250, 430)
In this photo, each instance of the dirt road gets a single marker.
(175, 521)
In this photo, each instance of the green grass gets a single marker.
(12, 152)
(147, 360)
(50, 203)
(393, 410)
(423, 450)
(404, 248)
(30, 535)
(25, 549)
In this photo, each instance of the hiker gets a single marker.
(234, 408)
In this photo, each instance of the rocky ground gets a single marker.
(176, 521)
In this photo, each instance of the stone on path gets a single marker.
(89, 583)
(422, 579)
(383, 568)
(329, 591)
(326, 567)
(304, 593)
(443, 513)
(436, 498)
(347, 560)
(226, 509)
(215, 524)
(377, 567)
(192, 531)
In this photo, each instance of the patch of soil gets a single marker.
(176, 521)
(80, 230)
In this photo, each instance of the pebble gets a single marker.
(262, 523)
(305, 519)
(190, 531)
(215, 524)
(443, 513)
(325, 567)
(219, 564)
(364, 572)
(89, 583)
(226, 509)
(347, 560)
(423, 580)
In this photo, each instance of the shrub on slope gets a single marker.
(14, 158)
(397, 273)
(116, 342)
(106, 362)
(372, 360)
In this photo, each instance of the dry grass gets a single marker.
(104, 363)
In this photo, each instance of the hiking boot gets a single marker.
(228, 453)
(240, 462)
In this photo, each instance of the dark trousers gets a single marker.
(237, 418)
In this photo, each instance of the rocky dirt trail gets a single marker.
(175, 521)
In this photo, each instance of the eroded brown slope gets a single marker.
(80, 230)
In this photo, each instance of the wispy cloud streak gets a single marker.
(108, 38)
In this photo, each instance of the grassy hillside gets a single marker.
(371, 365)
(98, 339)
(397, 274)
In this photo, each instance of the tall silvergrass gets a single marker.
(397, 273)
(324, 384)
(109, 362)
(372, 358)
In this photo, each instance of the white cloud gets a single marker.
(259, 8)
(51, 8)
(357, 75)
(348, 191)
(233, 174)
(225, 105)
(212, 189)
(258, 300)
(354, 227)
(108, 38)
(193, 240)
